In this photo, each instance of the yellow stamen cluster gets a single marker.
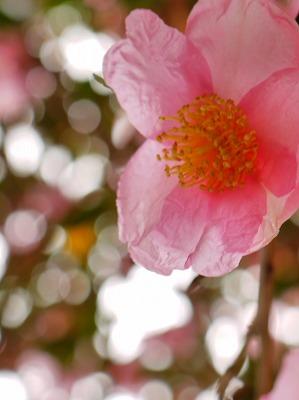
(211, 145)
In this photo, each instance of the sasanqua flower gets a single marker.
(219, 105)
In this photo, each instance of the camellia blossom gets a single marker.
(217, 175)
(287, 384)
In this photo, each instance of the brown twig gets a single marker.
(264, 377)
(258, 327)
(234, 369)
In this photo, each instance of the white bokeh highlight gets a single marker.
(83, 176)
(208, 394)
(141, 305)
(17, 308)
(25, 228)
(83, 51)
(11, 386)
(122, 396)
(24, 149)
(284, 323)
(55, 160)
(224, 341)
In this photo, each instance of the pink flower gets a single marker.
(216, 180)
(287, 384)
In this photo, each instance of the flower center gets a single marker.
(212, 145)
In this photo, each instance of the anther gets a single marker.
(212, 145)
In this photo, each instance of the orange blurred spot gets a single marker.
(80, 239)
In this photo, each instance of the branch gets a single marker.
(264, 376)
(258, 327)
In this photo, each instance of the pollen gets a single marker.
(211, 145)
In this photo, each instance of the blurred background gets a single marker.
(78, 320)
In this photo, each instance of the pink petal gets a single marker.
(174, 236)
(231, 227)
(169, 227)
(291, 203)
(277, 168)
(142, 189)
(226, 260)
(287, 383)
(272, 108)
(154, 71)
(244, 42)
(209, 232)
(271, 224)
(211, 258)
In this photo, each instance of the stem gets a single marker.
(259, 327)
(264, 377)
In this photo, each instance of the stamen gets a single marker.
(212, 146)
